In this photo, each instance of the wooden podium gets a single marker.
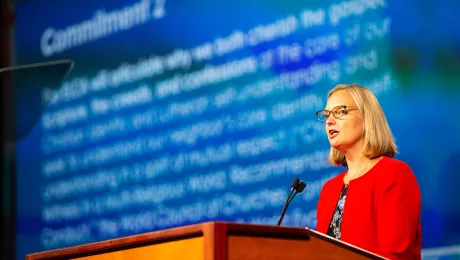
(215, 241)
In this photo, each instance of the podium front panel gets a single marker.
(191, 248)
(214, 241)
(248, 248)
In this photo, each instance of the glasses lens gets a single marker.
(339, 111)
(322, 115)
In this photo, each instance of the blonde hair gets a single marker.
(378, 139)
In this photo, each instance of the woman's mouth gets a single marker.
(333, 133)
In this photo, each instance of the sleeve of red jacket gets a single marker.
(322, 219)
(319, 212)
(398, 213)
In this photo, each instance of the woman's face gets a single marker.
(346, 132)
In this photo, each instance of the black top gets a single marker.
(335, 226)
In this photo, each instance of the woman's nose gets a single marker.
(330, 119)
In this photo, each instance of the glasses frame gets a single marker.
(329, 112)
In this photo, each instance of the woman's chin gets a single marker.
(336, 146)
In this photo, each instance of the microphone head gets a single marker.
(295, 183)
(301, 187)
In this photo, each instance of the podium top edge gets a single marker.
(205, 229)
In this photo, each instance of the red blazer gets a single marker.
(381, 212)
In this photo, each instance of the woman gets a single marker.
(375, 204)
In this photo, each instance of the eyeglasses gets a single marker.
(337, 112)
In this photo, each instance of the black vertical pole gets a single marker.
(7, 147)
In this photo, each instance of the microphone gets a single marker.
(294, 185)
(296, 188)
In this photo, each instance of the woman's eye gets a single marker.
(342, 112)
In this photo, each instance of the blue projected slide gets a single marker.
(179, 112)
